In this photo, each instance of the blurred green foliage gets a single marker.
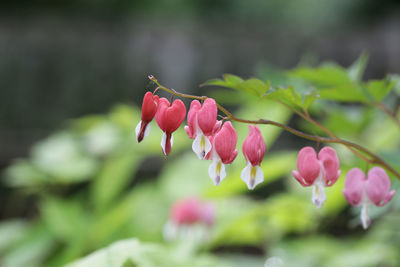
(94, 184)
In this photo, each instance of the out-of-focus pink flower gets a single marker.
(189, 218)
(201, 123)
(320, 171)
(253, 150)
(190, 211)
(361, 191)
(169, 118)
(223, 151)
(149, 108)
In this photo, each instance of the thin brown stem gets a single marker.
(390, 113)
(374, 158)
(311, 120)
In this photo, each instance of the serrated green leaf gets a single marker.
(231, 79)
(251, 86)
(288, 96)
(254, 86)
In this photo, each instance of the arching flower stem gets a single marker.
(355, 148)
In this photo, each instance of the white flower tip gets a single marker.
(274, 262)
(137, 129)
(138, 132)
(201, 146)
(318, 195)
(365, 220)
(217, 180)
(217, 171)
(252, 176)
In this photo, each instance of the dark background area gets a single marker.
(65, 59)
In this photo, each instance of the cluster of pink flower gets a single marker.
(216, 141)
(213, 140)
(323, 170)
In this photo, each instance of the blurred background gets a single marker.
(74, 182)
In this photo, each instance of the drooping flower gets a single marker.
(201, 123)
(374, 189)
(190, 211)
(223, 151)
(149, 109)
(189, 218)
(319, 171)
(169, 117)
(253, 150)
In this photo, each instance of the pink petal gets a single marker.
(354, 186)
(149, 106)
(163, 104)
(308, 165)
(225, 143)
(300, 179)
(377, 186)
(192, 119)
(330, 161)
(169, 118)
(207, 116)
(254, 146)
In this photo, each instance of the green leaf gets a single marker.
(395, 78)
(325, 76)
(379, 89)
(254, 86)
(344, 93)
(356, 70)
(65, 218)
(62, 157)
(251, 86)
(229, 80)
(10, 232)
(135, 253)
(292, 98)
(117, 172)
(32, 250)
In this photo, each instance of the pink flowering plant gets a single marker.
(216, 139)
(298, 168)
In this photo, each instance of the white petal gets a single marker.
(137, 130)
(252, 179)
(318, 195)
(146, 131)
(163, 142)
(170, 231)
(365, 220)
(201, 145)
(217, 171)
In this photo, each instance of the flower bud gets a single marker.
(149, 109)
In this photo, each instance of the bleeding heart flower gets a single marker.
(223, 151)
(254, 151)
(188, 217)
(201, 123)
(149, 108)
(190, 211)
(375, 189)
(319, 171)
(169, 118)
